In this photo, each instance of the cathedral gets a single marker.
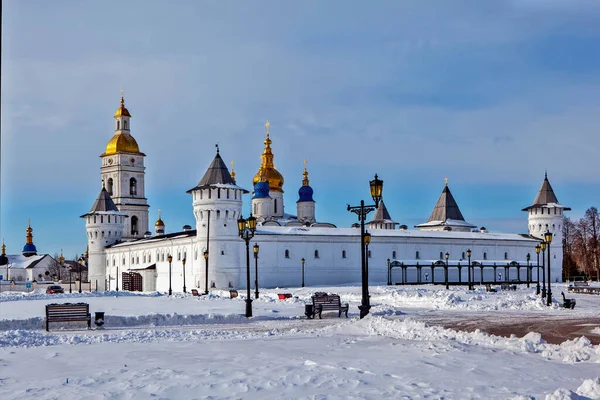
(294, 246)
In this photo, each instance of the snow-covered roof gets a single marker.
(318, 231)
(19, 261)
(448, 222)
(155, 239)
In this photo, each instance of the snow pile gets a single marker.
(589, 390)
(570, 351)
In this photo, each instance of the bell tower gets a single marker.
(122, 172)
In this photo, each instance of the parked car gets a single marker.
(54, 289)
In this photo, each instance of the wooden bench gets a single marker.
(581, 283)
(568, 303)
(68, 312)
(328, 302)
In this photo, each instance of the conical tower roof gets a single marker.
(545, 196)
(382, 214)
(216, 174)
(103, 203)
(446, 212)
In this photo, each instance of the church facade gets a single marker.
(211, 254)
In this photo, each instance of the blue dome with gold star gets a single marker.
(305, 193)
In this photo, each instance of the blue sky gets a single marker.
(488, 94)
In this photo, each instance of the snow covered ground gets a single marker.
(156, 346)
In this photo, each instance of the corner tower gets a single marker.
(268, 173)
(305, 206)
(122, 172)
(217, 202)
(104, 225)
(547, 214)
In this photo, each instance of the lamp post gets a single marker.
(529, 274)
(548, 237)
(469, 268)
(246, 229)
(205, 271)
(543, 246)
(255, 248)
(361, 211)
(117, 288)
(183, 262)
(389, 282)
(303, 261)
(70, 278)
(447, 255)
(538, 248)
(170, 259)
(80, 262)
(367, 242)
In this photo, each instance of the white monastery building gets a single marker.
(125, 254)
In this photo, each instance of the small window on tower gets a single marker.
(124, 124)
(133, 187)
(316, 253)
(394, 254)
(485, 256)
(118, 124)
(343, 253)
(109, 187)
(287, 254)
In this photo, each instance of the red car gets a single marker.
(54, 289)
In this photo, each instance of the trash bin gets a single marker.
(308, 311)
(99, 318)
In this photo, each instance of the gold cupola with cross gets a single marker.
(267, 171)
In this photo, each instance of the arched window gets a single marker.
(417, 256)
(133, 187)
(394, 254)
(255, 209)
(462, 255)
(102, 219)
(125, 125)
(134, 225)
(218, 214)
(274, 206)
(441, 255)
(218, 193)
(316, 253)
(506, 255)
(484, 255)
(287, 253)
(343, 253)
(109, 187)
(118, 124)
(227, 193)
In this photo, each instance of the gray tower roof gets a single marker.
(382, 214)
(216, 174)
(545, 196)
(446, 209)
(103, 203)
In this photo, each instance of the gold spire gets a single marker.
(3, 248)
(267, 169)
(61, 259)
(305, 175)
(159, 221)
(122, 111)
(232, 171)
(29, 237)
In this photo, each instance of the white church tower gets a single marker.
(546, 214)
(305, 206)
(104, 225)
(123, 174)
(217, 203)
(268, 173)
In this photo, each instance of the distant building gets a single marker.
(123, 250)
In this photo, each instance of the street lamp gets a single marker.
(255, 248)
(246, 229)
(302, 261)
(528, 270)
(389, 282)
(367, 242)
(170, 259)
(469, 268)
(205, 271)
(543, 246)
(447, 255)
(80, 262)
(548, 237)
(361, 211)
(538, 248)
(70, 278)
(183, 262)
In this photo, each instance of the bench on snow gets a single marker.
(328, 302)
(568, 303)
(68, 312)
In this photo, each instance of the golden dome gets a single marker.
(121, 143)
(122, 111)
(267, 171)
(159, 222)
